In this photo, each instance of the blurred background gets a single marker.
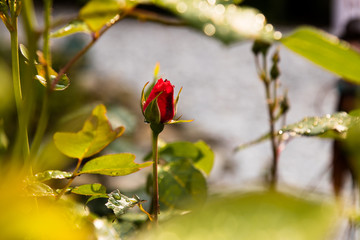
(221, 91)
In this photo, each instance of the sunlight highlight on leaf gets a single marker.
(95, 135)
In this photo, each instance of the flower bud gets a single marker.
(159, 106)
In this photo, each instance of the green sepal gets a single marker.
(142, 99)
(177, 99)
(179, 121)
(152, 111)
(157, 128)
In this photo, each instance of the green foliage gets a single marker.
(38, 189)
(52, 174)
(97, 13)
(90, 190)
(61, 84)
(95, 190)
(251, 216)
(325, 50)
(73, 27)
(332, 126)
(198, 153)
(225, 21)
(95, 135)
(181, 185)
(113, 165)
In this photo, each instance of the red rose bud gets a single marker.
(163, 94)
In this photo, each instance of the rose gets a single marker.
(160, 107)
(162, 94)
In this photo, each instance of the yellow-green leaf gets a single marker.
(113, 165)
(95, 135)
(95, 189)
(325, 50)
(97, 13)
(222, 19)
(73, 27)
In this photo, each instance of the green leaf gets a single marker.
(325, 50)
(38, 189)
(24, 51)
(98, 13)
(198, 153)
(255, 216)
(52, 174)
(113, 165)
(331, 126)
(61, 85)
(205, 161)
(120, 203)
(178, 151)
(224, 21)
(181, 185)
(95, 189)
(95, 135)
(260, 139)
(73, 27)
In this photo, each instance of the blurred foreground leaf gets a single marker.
(95, 135)
(224, 21)
(113, 165)
(181, 185)
(325, 50)
(38, 189)
(255, 216)
(331, 126)
(4, 141)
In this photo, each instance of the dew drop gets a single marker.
(209, 29)
(308, 131)
(181, 7)
(269, 27)
(281, 132)
(220, 9)
(277, 35)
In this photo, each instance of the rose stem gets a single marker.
(155, 200)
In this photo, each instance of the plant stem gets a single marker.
(74, 175)
(274, 146)
(95, 37)
(41, 126)
(44, 115)
(21, 149)
(155, 199)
